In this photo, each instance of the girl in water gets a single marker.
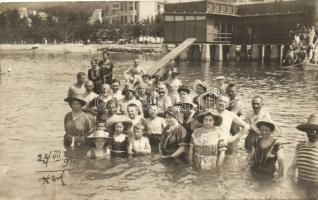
(99, 151)
(208, 144)
(266, 151)
(118, 125)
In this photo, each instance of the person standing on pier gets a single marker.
(252, 117)
(78, 88)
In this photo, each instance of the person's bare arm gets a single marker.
(291, 172)
(245, 127)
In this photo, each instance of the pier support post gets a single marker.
(274, 53)
(243, 53)
(205, 54)
(232, 53)
(255, 52)
(218, 53)
(195, 52)
(184, 55)
(263, 53)
(164, 48)
(281, 54)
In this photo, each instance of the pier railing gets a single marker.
(223, 38)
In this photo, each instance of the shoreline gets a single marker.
(82, 48)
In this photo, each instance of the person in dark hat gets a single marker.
(183, 91)
(305, 161)
(173, 140)
(76, 123)
(130, 97)
(208, 143)
(267, 151)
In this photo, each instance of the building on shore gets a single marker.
(43, 16)
(97, 16)
(23, 12)
(218, 26)
(130, 12)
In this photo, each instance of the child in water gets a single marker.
(208, 143)
(118, 125)
(133, 75)
(139, 144)
(99, 151)
(266, 151)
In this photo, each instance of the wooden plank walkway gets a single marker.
(170, 56)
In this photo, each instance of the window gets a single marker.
(179, 18)
(169, 18)
(189, 18)
(200, 18)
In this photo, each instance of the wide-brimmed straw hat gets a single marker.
(119, 119)
(128, 88)
(99, 134)
(201, 83)
(76, 98)
(174, 112)
(184, 88)
(216, 117)
(175, 71)
(187, 100)
(269, 124)
(212, 92)
(312, 123)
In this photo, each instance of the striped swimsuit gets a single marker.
(307, 162)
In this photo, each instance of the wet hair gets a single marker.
(258, 97)
(217, 119)
(100, 63)
(115, 81)
(80, 74)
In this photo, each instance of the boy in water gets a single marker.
(139, 144)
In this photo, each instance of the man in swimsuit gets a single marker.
(78, 89)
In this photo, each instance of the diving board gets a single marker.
(170, 56)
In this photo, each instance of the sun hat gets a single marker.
(184, 88)
(220, 78)
(216, 117)
(128, 88)
(312, 123)
(175, 71)
(174, 112)
(201, 83)
(119, 119)
(99, 134)
(76, 98)
(188, 100)
(269, 124)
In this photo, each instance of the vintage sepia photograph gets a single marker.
(159, 100)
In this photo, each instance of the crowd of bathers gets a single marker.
(159, 114)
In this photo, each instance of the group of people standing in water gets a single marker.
(161, 115)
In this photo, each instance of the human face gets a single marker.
(170, 120)
(119, 128)
(112, 108)
(153, 111)
(81, 79)
(93, 64)
(89, 86)
(142, 90)
(161, 90)
(312, 135)
(182, 95)
(138, 131)
(105, 56)
(186, 107)
(265, 131)
(199, 89)
(231, 92)
(257, 104)
(101, 126)
(208, 121)
(104, 89)
(132, 112)
(99, 143)
(221, 103)
(136, 62)
(115, 87)
(129, 95)
(76, 106)
(209, 102)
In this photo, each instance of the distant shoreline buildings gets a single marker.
(28, 13)
(126, 12)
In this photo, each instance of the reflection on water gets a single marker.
(31, 122)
